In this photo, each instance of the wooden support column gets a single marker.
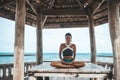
(114, 27)
(92, 36)
(39, 39)
(19, 40)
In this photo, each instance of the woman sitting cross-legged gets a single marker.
(67, 54)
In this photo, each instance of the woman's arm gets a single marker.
(60, 50)
(74, 48)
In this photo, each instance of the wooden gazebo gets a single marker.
(61, 14)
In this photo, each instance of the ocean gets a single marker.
(7, 57)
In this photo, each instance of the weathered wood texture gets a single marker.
(32, 7)
(92, 37)
(97, 5)
(43, 22)
(6, 71)
(89, 71)
(114, 27)
(73, 11)
(19, 40)
(58, 8)
(39, 55)
(5, 3)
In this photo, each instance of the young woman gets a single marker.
(67, 54)
(67, 51)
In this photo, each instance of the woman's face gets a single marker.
(68, 38)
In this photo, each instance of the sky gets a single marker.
(52, 38)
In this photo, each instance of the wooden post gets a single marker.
(114, 27)
(39, 39)
(19, 40)
(92, 36)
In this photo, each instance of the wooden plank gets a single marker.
(97, 6)
(89, 68)
(43, 23)
(69, 23)
(73, 11)
(39, 55)
(67, 78)
(92, 37)
(32, 7)
(114, 27)
(19, 40)
(89, 71)
(12, 7)
(5, 3)
(45, 3)
(119, 2)
(51, 5)
(81, 5)
(71, 75)
(101, 14)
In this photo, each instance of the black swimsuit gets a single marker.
(67, 51)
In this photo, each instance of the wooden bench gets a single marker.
(89, 71)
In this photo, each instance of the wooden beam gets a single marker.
(97, 5)
(81, 5)
(44, 2)
(100, 13)
(32, 7)
(58, 26)
(66, 19)
(66, 24)
(43, 23)
(5, 3)
(114, 26)
(101, 18)
(52, 3)
(19, 40)
(74, 11)
(39, 39)
(66, 3)
(92, 36)
(12, 7)
(119, 2)
(71, 22)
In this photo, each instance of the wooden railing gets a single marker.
(108, 66)
(6, 70)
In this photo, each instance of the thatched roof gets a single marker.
(62, 13)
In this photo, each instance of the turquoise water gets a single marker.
(55, 57)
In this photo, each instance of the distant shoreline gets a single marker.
(1, 55)
(11, 54)
(103, 56)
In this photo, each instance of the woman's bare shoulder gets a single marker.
(62, 44)
(73, 44)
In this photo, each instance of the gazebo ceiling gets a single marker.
(60, 13)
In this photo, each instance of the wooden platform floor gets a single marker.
(54, 78)
(51, 78)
